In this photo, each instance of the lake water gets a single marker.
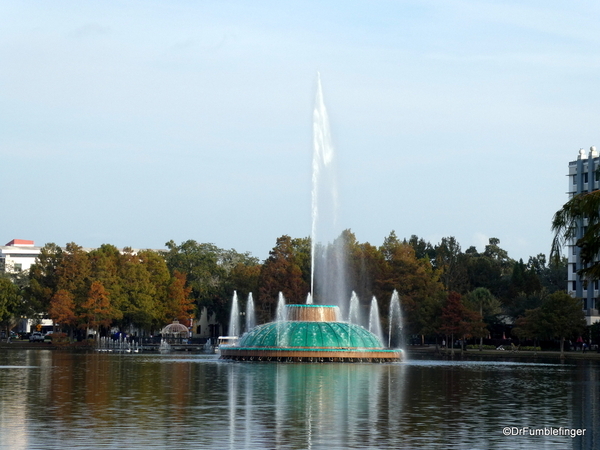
(53, 399)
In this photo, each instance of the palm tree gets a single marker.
(566, 223)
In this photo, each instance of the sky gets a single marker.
(135, 123)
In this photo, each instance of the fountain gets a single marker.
(310, 333)
(395, 322)
(314, 332)
(374, 322)
(234, 318)
(250, 316)
(354, 313)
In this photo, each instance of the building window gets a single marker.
(574, 286)
(574, 180)
(585, 177)
(18, 267)
(574, 268)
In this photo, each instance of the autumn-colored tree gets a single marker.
(73, 272)
(96, 311)
(106, 262)
(62, 309)
(179, 304)
(417, 283)
(280, 273)
(458, 320)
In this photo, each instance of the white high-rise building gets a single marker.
(584, 176)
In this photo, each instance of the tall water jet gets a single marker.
(281, 319)
(354, 313)
(250, 314)
(328, 261)
(309, 299)
(374, 323)
(234, 318)
(395, 321)
(280, 315)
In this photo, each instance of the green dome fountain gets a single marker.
(311, 333)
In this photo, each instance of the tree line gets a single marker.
(443, 289)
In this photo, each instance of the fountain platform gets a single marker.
(310, 333)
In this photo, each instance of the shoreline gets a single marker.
(439, 353)
(429, 352)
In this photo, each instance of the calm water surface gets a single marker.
(52, 399)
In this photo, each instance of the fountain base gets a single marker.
(311, 333)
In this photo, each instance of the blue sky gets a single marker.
(133, 123)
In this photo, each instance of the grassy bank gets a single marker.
(432, 352)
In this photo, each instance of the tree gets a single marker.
(141, 306)
(280, 273)
(448, 260)
(529, 325)
(43, 279)
(458, 320)
(569, 220)
(96, 311)
(422, 249)
(10, 300)
(482, 301)
(417, 284)
(206, 268)
(179, 304)
(62, 309)
(562, 317)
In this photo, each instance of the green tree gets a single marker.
(562, 317)
(568, 222)
(141, 306)
(206, 268)
(449, 262)
(10, 301)
(482, 301)
(43, 279)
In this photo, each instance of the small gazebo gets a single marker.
(175, 332)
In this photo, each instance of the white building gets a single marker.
(584, 176)
(18, 255)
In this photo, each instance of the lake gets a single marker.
(57, 399)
